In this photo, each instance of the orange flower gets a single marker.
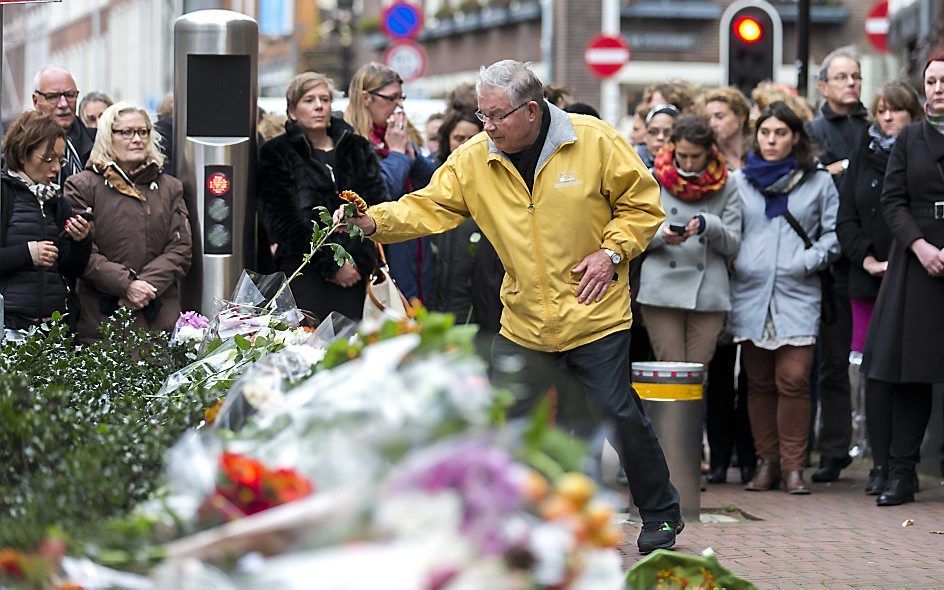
(285, 485)
(242, 471)
(209, 414)
(11, 563)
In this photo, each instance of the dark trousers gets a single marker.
(911, 411)
(878, 419)
(728, 421)
(835, 397)
(603, 369)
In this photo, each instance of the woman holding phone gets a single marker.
(44, 244)
(686, 295)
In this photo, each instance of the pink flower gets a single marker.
(192, 319)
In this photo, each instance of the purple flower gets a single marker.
(192, 319)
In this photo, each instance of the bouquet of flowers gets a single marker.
(245, 486)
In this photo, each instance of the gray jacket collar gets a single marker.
(560, 132)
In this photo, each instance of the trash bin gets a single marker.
(672, 395)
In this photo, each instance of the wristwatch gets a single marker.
(614, 256)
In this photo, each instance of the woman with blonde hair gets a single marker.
(142, 243)
(728, 112)
(375, 111)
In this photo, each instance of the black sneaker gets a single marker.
(658, 535)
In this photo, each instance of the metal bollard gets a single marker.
(672, 396)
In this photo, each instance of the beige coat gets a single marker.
(139, 231)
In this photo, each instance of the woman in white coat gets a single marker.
(776, 290)
(687, 294)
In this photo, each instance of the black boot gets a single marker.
(829, 468)
(900, 490)
(878, 479)
(718, 474)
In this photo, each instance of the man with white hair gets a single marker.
(55, 93)
(566, 203)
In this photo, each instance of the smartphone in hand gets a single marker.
(677, 228)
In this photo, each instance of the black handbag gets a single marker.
(828, 299)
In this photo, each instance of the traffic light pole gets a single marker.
(803, 47)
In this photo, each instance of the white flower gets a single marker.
(262, 396)
(190, 335)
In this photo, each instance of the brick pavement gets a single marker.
(835, 538)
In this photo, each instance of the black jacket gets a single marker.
(906, 336)
(861, 227)
(838, 135)
(29, 291)
(81, 138)
(291, 183)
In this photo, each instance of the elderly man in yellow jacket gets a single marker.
(566, 203)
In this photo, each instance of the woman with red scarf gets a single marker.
(375, 112)
(685, 295)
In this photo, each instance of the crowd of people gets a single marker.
(791, 236)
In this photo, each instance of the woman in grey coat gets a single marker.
(687, 294)
(776, 292)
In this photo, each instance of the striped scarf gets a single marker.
(934, 119)
(690, 188)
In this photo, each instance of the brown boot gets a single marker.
(766, 478)
(794, 482)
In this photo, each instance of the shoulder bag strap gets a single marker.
(798, 229)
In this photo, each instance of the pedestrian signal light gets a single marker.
(748, 29)
(751, 47)
(218, 184)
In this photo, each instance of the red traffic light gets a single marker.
(218, 184)
(748, 30)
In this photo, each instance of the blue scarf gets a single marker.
(879, 141)
(762, 174)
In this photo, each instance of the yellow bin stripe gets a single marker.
(669, 391)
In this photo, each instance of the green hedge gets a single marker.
(82, 432)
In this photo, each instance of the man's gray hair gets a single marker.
(849, 51)
(514, 77)
(40, 73)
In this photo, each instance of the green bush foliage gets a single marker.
(82, 431)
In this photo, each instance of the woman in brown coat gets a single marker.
(142, 244)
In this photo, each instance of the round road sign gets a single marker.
(876, 26)
(406, 58)
(606, 55)
(402, 21)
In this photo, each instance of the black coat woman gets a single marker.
(43, 244)
(318, 157)
(865, 238)
(904, 351)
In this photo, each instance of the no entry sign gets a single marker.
(876, 26)
(606, 55)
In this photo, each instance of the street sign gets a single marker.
(406, 58)
(876, 26)
(606, 55)
(402, 21)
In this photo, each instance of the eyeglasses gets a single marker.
(396, 98)
(50, 159)
(130, 133)
(498, 118)
(54, 97)
(843, 77)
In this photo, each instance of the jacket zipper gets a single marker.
(538, 259)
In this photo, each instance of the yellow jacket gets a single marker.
(591, 191)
